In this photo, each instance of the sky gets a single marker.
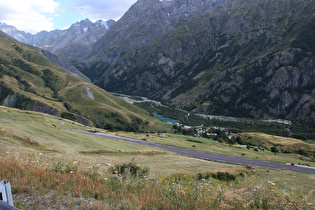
(36, 15)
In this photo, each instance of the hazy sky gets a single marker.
(37, 15)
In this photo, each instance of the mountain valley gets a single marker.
(79, 108)
(238, 58)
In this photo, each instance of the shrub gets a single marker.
(195, 141)
(267, 148)
(129, 168)
(275, 149)
(224, 176)
(239, 140)
(68, 115)
(303, 152)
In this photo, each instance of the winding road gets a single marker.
(207, 155)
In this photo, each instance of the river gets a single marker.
(139, 99)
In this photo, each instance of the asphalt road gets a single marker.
(207, 155)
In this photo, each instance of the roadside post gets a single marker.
(6, 201)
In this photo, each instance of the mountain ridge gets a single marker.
(72, 43)
(217, 62)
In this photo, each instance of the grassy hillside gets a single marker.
(285, 144)
(34, 133)
(31, 82)
(51, 167)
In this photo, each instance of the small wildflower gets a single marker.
(278, 195)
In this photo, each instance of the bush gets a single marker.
(303, 152)
(68, 115)
(224, 176)
(275, 149)
(129, 168)
(239, 140)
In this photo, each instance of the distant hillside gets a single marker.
(29, 81)
(73, 43)
(245, 58)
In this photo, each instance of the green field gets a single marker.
(31, 132)
(208, 145)
(48, 165)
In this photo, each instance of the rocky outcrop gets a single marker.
(284, 90)
(88, 92)
(41, 107)
(16, 100)
(10, 100)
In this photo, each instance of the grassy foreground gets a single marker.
(41, 186)
(53, 168)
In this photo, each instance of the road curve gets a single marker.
(207, 155)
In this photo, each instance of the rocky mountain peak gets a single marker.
(75, 42)
(15, 33)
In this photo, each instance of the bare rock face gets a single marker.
(16, 100)
(41, 107)
(284, 90)
(63, 63)
(10, 100)
(146, 21)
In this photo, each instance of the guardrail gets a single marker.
(6, 201)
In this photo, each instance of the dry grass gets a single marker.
(285, 143)
(37, 185)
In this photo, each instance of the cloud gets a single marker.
(103, 9)
(29, 15)
(37, 15)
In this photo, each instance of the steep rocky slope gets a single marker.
(240, 57)
(147, 20)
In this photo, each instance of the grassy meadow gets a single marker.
(50, 167)
(208, 145)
